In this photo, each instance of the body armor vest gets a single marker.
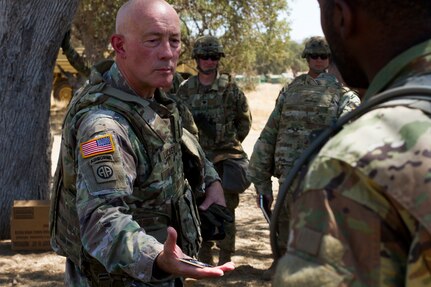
(212, 114)
(160, 200)
(308, 108)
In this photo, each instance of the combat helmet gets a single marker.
(316, 45)
(207, 45)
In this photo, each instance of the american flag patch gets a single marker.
(97, 146)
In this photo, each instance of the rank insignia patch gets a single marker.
(97, 146)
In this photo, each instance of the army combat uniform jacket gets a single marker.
(120, 184)
(363, 215)
(304, 107)
(221, 113)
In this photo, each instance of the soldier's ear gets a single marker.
(117, 43)
(343, 19)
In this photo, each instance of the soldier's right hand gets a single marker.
(168, 261)
(269, 198)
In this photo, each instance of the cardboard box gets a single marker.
(30, 225)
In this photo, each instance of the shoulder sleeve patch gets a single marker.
(96, 146)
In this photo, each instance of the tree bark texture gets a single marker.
(30, 37)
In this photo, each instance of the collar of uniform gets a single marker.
(161, 97)
(117, 80)
(300, 80)
(214, 85)
(393, 70)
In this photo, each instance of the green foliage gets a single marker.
(295, 62)
(93, 24)
(255, 34)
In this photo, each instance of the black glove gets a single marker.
(213, 220)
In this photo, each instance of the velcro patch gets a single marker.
(102, 158)
(104, 172)
(103, 168)
(308, 241)
(100, 145)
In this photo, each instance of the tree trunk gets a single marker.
(30, 37)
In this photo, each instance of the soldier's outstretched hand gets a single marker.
(169, 261)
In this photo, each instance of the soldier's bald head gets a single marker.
(147, 44)
(134, 10)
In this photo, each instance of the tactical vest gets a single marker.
(161, 200)
(308, 108)
(416, 97)
(211, 112)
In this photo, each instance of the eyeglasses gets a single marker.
(321, 56)
(212, 57)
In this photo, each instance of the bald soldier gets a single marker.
(123, 212)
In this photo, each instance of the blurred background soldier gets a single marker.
(222, 115)
(306, 106)
(360, 216)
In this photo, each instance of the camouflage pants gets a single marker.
(232, 202)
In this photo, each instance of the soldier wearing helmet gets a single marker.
(317, 54)
(207, 47)
(306, 106)
(220, 110)
(316, 44)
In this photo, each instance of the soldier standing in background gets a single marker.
(222, 115)
(306, 106)
(120, 185)
(361, 214)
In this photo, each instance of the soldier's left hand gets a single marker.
(213, 194)
(168, 261)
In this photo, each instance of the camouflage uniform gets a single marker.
(362, 215)
(118, 187)
(303, 108)
(222, 115)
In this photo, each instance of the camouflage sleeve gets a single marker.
(261, 166)
(348, 102)
(360, 217)
(211, 174)
(103, 182)
(336, 240)
(243, 115)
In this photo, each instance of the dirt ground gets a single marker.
(253, 255)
